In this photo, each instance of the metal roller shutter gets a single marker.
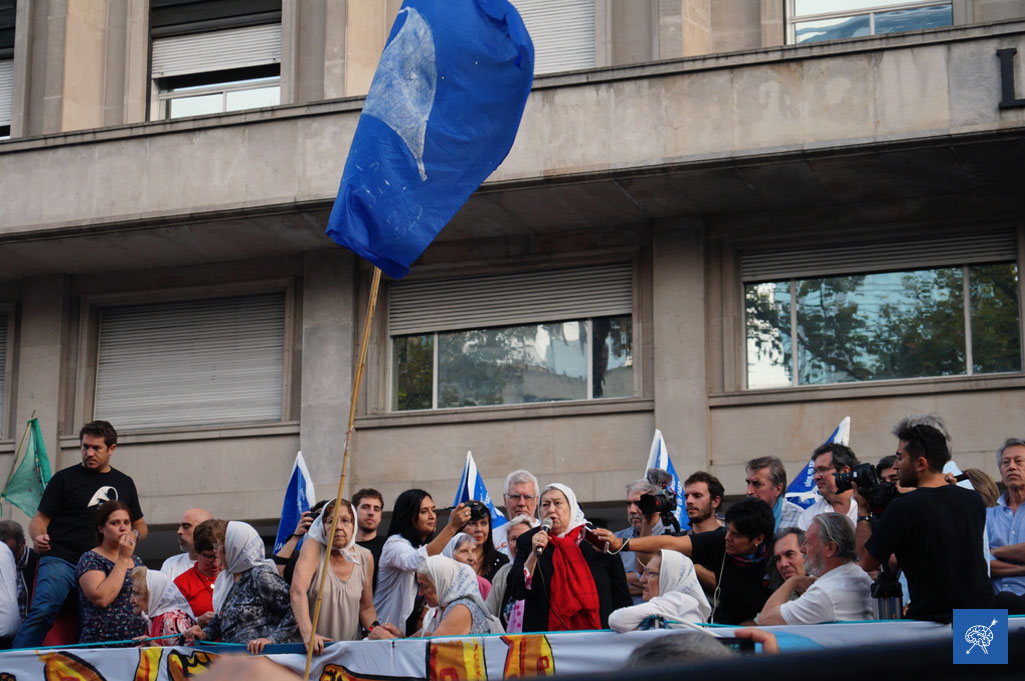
(562, 31)
(3, 366)
(6, 90)
(194, 362)
(217, 50)
(818, 261)
(509, 299)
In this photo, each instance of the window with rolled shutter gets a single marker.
(192, 362)
(6, 95)
(562, 32)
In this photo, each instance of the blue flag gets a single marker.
(299, 496)
(658, 457)
(802, 490)
(471, 486)
(441, 115)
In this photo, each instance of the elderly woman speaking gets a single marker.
(567, 584)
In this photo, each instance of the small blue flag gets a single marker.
(299, 496)
(802, 490)
(658, 457)
(442, 113)
(471, 486)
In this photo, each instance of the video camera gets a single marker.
(877, 493)
(663, 502)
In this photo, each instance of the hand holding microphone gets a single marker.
(540, 540)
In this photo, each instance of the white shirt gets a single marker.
(175, 565)
(822, 506)
(10, 618)
(396, 580)
(841, 595)
(500, 538)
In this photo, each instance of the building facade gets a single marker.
(736, 221)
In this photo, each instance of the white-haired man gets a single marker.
(520, 497)
(836, 589)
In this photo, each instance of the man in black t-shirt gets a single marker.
(369, 505)
(64, 526)
(935, 531)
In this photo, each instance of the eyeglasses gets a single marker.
(208, 555)
(649, 574)
(521, 497)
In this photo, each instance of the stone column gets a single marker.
(678, 311)
(328, 349)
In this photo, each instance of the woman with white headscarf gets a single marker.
(348, 598)
(158, 601)
(450, 587)
(462, 548)
(250, 597)
(671, 591)
(566, 584)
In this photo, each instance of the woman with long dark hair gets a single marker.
(489, 559)
(411, 538)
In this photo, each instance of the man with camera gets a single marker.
(635, 517)
(935, 531)
(829, 459)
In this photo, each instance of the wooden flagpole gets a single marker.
(356, 382)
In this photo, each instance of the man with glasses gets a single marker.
(828, 459)
(197, 583)
(179, 563)
(520, 498)
(636, 519)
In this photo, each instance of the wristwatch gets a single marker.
(864, 517)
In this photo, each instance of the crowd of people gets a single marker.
(763, 561)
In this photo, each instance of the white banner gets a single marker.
(473, 659)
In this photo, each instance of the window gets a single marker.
(512, 339)
(191, 363)
(562, 32)
(903, 323)
(214, 56)
(7, 20)
(818, 20)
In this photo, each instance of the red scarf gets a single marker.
(573, 598)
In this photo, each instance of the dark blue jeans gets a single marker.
(55, 579)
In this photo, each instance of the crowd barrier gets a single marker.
(474, 659)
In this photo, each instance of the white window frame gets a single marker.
(89, 337)
(6, 96)
(791, 264)
(793, 19)
(432, 324)
(254, 46)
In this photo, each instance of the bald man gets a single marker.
(175, 565)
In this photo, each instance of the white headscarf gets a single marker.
(164, 596)
(243, 550)
(452, 581)
(318, 533)
(576, 516)
(678, 583)
(453, 544)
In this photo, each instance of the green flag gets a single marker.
(25, 487)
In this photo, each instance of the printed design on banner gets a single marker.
(980, 636)
(149, 664)
(336, 672)
(528, 655)
(182, 665)
(68, 667)
(456, 661)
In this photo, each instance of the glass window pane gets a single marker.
(613, 356)
(199, 105)
(769, 353)
(832, 29)
(914, 19)
(996, 329)
(880, 326)
(531, 363)
(412, 371)
(804, 7)
(253, 99)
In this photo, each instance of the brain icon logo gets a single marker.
(979, 636)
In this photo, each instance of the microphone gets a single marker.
(546, 527)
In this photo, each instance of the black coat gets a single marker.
(607, 570)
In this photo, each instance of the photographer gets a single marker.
(935, 531)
